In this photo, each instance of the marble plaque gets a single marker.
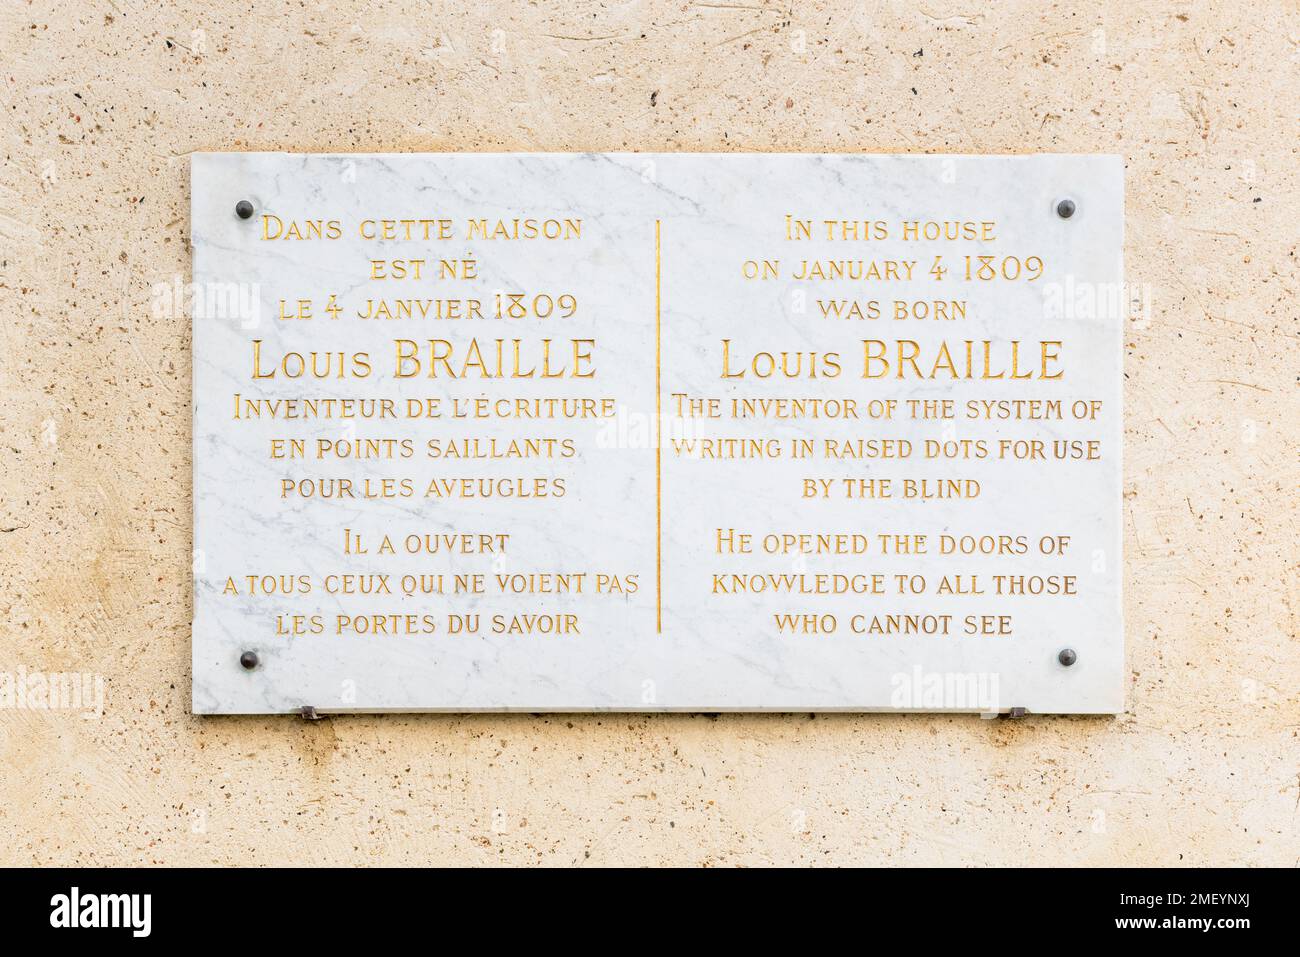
(653, 432)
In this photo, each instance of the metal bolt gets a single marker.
(243, 209)
(1065, 208)
(249, 660)
(1067, 657)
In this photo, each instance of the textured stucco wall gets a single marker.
(101, 101)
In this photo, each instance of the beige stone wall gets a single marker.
(101, 102)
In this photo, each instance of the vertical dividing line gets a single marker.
(659, 466)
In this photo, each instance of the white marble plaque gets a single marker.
(657, 432)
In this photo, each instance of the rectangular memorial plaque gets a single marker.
(657, 432)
